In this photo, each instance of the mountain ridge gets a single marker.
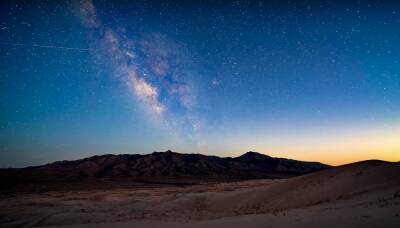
(159, 167)
(173, 152)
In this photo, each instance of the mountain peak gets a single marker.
(165, 152)
(254, 154)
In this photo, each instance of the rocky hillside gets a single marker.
(161, 167)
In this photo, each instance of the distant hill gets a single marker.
(161, 167)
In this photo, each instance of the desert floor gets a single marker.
(365, 194)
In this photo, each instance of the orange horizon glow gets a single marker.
(338, 147)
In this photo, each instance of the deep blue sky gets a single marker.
(311, 80)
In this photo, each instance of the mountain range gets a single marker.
(160, 167)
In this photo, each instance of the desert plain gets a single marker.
(363, 194)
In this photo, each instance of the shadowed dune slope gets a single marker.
(343, 182)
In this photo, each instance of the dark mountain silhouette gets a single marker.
(168, 167)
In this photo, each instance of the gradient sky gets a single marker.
(307, 80)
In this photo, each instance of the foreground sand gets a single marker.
(365, 194)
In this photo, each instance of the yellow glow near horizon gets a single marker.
(335, 147)
(342, 150)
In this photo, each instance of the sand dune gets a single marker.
(326, 186)
(361, 194)
(345, 182)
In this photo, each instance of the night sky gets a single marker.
(306, 80)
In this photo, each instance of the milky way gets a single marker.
(165, 82)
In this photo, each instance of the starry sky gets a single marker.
(308, 80)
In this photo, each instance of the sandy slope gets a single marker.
(362, 194)
(353, 213)
(327, 186)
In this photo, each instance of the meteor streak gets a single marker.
(44, 46)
